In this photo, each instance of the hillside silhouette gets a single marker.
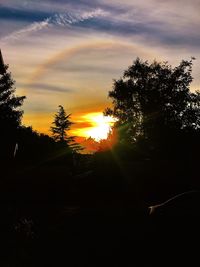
(134, 202)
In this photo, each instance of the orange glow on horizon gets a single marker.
(100, 126)
(89, 124)
(86, 124)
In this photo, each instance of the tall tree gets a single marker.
(152, 101)
(61, 124)
(10, 112)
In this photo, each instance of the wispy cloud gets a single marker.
(63, 19)
(69, 18)
(36, 26)
(42, 87)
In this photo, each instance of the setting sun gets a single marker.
(100, 126)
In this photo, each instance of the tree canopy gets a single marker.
(153, 100)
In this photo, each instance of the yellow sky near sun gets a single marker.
(99, 126)
(92, 124)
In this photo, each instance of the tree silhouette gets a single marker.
(34, 146)
(153, 102)
(10, 112)
(61, 124)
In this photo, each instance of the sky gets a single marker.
(68, 52)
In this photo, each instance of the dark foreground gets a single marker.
(98, 216)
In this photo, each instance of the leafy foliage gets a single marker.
(153, 101)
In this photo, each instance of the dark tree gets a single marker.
(61, 124)
(34, 146)
(10, 112)
(153, 102)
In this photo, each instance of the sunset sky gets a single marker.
(68, 52)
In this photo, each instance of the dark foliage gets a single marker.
(61, 124)
(60, 208)
(155, 107)
(34, 146)
(10, 114)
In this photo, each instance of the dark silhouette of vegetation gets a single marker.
(34, 146)
(60, 207)
(154, 106)
(61, 124)
(10, 112)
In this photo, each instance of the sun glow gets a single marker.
(100, 126)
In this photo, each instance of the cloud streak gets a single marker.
(36, 26)
(43, 87)
(64, 19)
